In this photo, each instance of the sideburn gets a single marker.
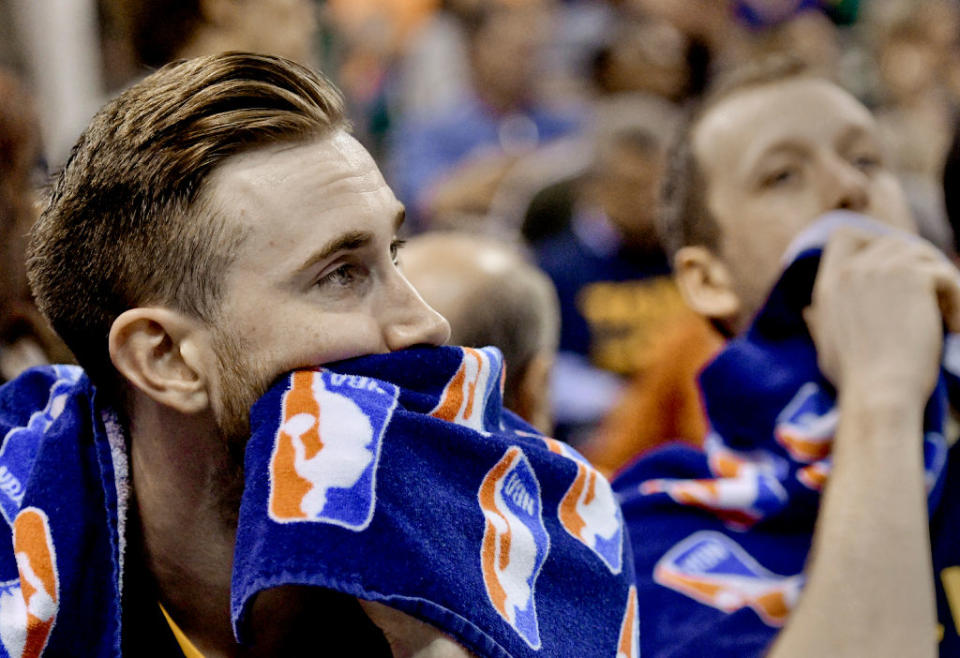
(242, 383)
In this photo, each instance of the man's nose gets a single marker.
(848, 186)
(407, 320)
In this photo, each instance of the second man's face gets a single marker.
(778, 156)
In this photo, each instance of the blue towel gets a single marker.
(63, 494)
(721, 536)
(399, 478)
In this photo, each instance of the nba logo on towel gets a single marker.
(464, 398)
(738, 501)
(325, 454)
(814, 476)
(515, 542)
(628, 646)
(28, 607)
(589, 512)
(20, 444)
(713, 569)
(806, 426)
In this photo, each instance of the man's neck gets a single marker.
(187, 532)
(177, 463)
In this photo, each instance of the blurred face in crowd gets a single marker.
(315, 279)
(650, 56)
(776, 157)
(626, 185)
(504, 55)
(908, 66)
(278, 27)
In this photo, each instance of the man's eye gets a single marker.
(395, 248)
(867, 162)
(779, 177)
(342, 276)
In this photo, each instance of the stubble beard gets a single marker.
(242, 382)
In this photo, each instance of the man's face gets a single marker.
(278, 27)
(315, 278)
(776, 157)
(627, 186)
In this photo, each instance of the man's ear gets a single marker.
(706, 283)
(159, 351)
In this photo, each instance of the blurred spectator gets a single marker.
(612, 278)
(159, 31)
(366, 44)
(492, 296)
(434, 70)
(662, 403)
(649, 55)
(449, 165)
(806, 34)
(916, 111)
(951, 190)
(25, 339)
(915, 114)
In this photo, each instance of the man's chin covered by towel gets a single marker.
(216, 242)
(819, 520)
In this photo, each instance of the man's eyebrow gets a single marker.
(345, 242)
(759, 157)
(853, 134)
(400, 218)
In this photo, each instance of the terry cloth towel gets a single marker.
(399, 478)
(721, 536)
(63, 494)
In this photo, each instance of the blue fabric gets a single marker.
(721, 536)
(757, 16)
(62, 480)
(400, 478)
(356, 481)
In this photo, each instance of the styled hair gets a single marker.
(684, 219)
(127, 225)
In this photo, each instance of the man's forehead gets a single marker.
(332, 163)
(760, 117)
(277, 165)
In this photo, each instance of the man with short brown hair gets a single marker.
(215, 227)
(722, 539)
(254, 463)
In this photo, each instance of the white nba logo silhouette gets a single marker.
(515, 542)
(26, 620)
(522, 551)
(599, 513)
(14, 610)
(346, 433)
(588, 510)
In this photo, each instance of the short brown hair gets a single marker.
(684, 218)
(126, 224)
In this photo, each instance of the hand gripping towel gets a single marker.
(400, 478)
(721, 536)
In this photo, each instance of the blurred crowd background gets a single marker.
(541, 125)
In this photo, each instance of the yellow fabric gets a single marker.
(186, 645)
